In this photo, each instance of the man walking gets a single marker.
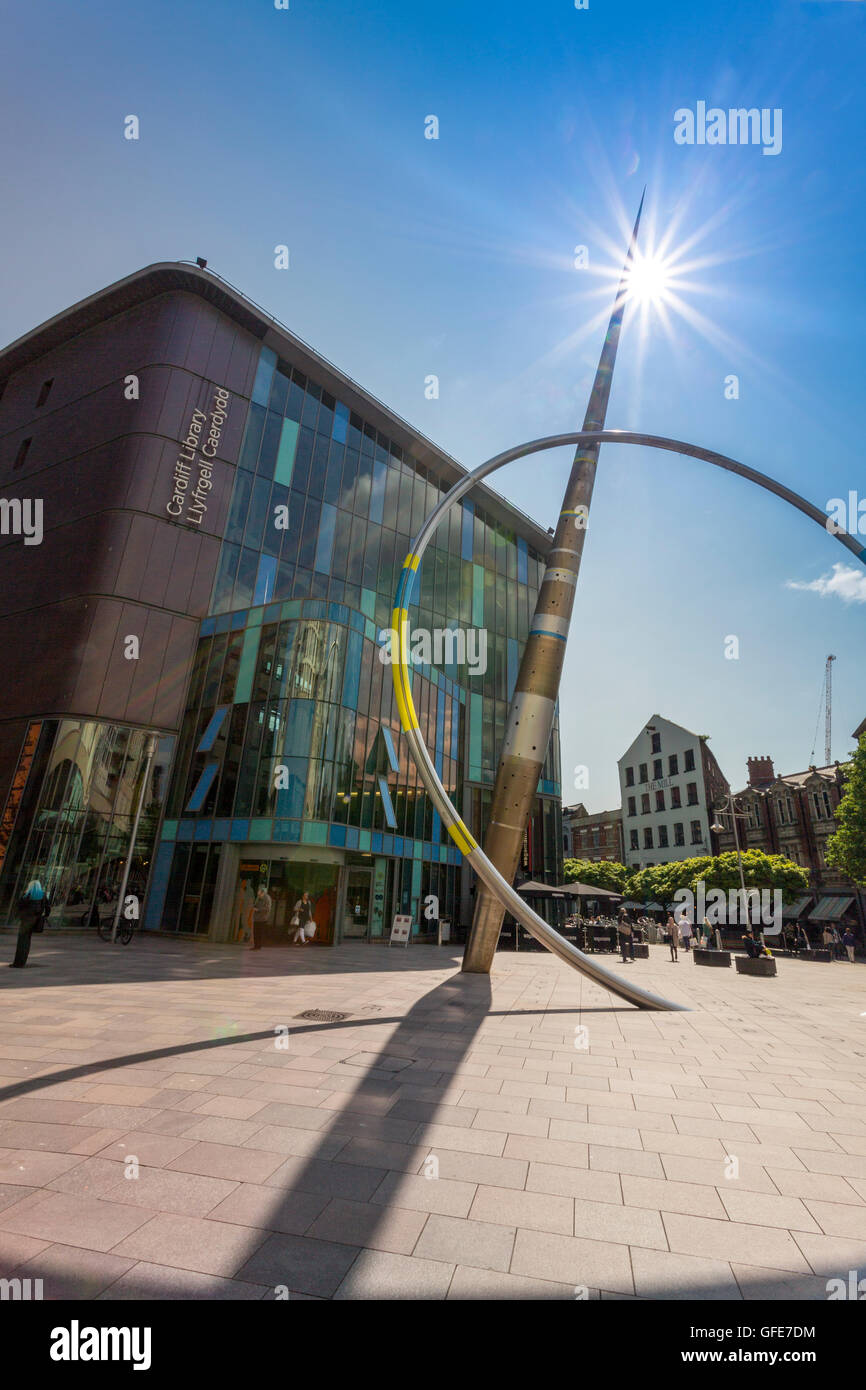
(626, 937)
(673, 932)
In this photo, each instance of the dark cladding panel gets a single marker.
(40, 659)
(243, 363)
(155, 629)
(219, 365)
(92, 361)
(201, 341)
(180, 395)
(76, 559)
(101, 654)
(183, 331)
(132, 574)
(154, 389)
(180, 572)
(149, 470)
(177, 660)
(155, 585)
(63, 437)
(203, 579)
(111, 473)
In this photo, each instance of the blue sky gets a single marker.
(455, 257)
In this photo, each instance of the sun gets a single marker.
(648, 279)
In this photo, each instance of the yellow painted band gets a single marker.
(461, 837)
(402, 683)
(411, 562)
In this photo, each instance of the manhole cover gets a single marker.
(381, 1061)
(322, 1016)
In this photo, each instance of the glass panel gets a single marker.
(239, 507)
(264, 373)
(265, 579)
(325, 544)
(286, 453)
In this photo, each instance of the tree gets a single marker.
(606, 873)
(760, 870)
(661, 882)
(846, 850)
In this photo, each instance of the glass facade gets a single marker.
(291, 735)
(74, 823)
(290, 770)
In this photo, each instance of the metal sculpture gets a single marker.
(457, 829)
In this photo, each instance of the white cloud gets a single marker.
(844, 582)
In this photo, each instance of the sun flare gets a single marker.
(647, 280)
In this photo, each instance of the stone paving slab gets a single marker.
(162, 1135)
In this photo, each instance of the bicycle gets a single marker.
(105, 928)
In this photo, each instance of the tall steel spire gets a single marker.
(533, 704)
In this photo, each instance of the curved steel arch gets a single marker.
(457, 829)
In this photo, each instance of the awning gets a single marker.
(586, 890)
(830, 909)
(798, 907)
(533, 886)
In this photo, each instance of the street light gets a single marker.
(717, 829)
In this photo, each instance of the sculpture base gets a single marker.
(719, 958)
(761, 965)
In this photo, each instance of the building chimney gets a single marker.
(761, 773)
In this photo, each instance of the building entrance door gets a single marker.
(285, 881)
(359, 900)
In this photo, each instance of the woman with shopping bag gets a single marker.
(302, 920)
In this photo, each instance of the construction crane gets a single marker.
(828, 710)
(826, 702)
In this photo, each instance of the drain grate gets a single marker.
(322, 1016)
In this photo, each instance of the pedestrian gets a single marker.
(673, 932)
(828, 939)
(33, 907)
(626, 936)
(302, 920)
(753, 946)
(686, 932)
(261, 915)
(708, 934)
(848, 941)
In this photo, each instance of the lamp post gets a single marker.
(717, 829)
(149, 756)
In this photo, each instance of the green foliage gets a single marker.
(846, 850)
(604, 874)
(661, 882)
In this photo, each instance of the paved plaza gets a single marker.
(171, 1128)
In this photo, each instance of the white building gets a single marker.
(669, 781)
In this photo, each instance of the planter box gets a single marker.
(704, 957)
(762, 965)
(641, 950)
(819, 953)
